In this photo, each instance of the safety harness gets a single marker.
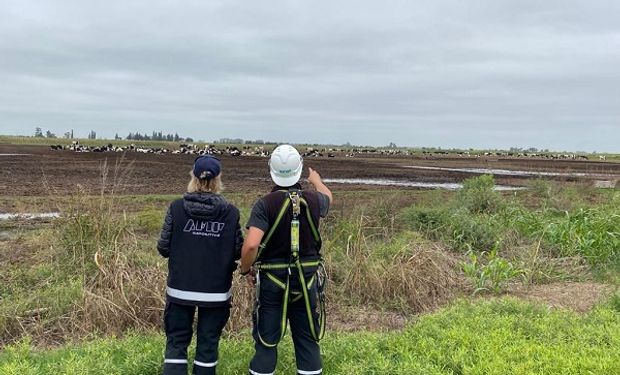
(296, 265)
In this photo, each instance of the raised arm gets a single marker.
(315, 179)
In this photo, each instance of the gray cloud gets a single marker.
(441, 73)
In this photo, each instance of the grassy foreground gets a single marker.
(500, 336)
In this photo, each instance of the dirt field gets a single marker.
(39, 171)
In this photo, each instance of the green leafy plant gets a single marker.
(489, 271)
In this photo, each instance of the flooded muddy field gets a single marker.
(40, 171)
(508, 172)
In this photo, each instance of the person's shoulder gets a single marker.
(312, 194)
(271, 198)
(176, 202)
(320, 200)
(259, 204)
(232, 208)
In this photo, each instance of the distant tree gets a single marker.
(116, 137)
(38, 132)
(169, 137)
(67, 135)
(92, 135)
(49, 134)
(188, 139)
(176, 137)
(392, 145)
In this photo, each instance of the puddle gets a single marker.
(504, 172)
(422, 185)
(15, 154)
(45, 215)
(605, 184)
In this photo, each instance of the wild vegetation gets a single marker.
(500, 337)
(94, 274)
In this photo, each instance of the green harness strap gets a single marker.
(315, 232)
(295, 262)
(281, 214)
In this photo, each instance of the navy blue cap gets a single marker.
(206, 167)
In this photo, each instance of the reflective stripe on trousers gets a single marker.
(198, 296)
(178, 324)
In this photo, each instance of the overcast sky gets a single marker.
(481, 74)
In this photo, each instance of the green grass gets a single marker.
(502, 336)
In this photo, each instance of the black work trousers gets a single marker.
(267, 321)
(178, 325)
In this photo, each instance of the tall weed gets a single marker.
(99, 247)
(478, 195)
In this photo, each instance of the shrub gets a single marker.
(460, 229)
(431, 221)
(479, 196)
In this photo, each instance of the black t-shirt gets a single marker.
(258, 217)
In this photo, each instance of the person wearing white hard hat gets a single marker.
(282, 257)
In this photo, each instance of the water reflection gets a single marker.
(422, 185)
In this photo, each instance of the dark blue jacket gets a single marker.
(202, 239)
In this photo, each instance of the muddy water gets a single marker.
(45, 215)
(506, 172)
(421, 185)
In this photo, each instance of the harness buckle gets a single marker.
(294, 197)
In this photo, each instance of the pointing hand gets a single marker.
(313, 177)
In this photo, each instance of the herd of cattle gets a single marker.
(189, 149)
(192, 149)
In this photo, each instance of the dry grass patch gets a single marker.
(577, 296)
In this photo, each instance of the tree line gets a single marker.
(156, 136)
(137, 136)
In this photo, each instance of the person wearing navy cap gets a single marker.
(202, 238)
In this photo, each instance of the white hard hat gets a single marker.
(285, 166)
